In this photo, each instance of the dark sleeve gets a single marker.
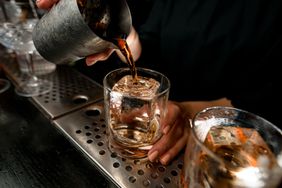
(140, 10)
(149, 34)
(255, 73)
(259, 88)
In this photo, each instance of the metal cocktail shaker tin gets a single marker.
(71, 31)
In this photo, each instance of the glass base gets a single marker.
(4, 85)
(32, 88)
(128, 152)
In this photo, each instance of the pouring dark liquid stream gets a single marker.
(104, 18)
(125, 50)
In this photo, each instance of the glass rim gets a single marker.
(138, 69)
(6, 85)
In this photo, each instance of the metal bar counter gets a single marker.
(75, 108)
(34, 154)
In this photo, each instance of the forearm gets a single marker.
(191, 108)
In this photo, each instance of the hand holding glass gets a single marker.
(134, 110)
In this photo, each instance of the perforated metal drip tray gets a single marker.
(86, 129)
(75, 107)
(71, 90)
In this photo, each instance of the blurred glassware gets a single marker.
(2, 13)
(229, 147)
(18, 37)
(12, 10)
(41, 66)
(18, 11)
(15, 12)
(15, 34)
(4, 85)
(7, 33)
(23, 46)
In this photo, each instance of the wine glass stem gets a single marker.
(4, 11)
(34, 12)
(31, 67)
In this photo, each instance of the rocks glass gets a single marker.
(229, 147)
(134, 110)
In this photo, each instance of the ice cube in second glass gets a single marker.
(240, 149)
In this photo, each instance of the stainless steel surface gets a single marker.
(86, 128)
(84, 125)
(71, 90)
(63, 36)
